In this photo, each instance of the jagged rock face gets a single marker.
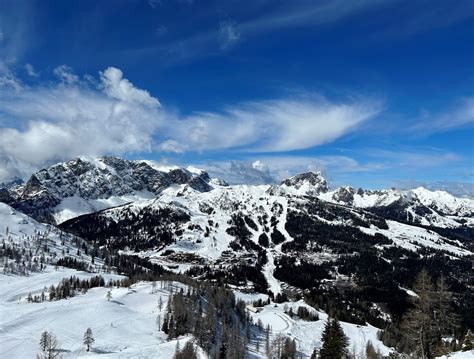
(313, 181)
(100, 179)
(344, 194)
(93, 179)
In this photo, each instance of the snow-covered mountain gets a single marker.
(231, 225)
(308, 183)
(85, 185)
(180, 217)
(420, 206)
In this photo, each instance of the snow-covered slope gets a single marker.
(124, 327)
(246, 225)
(308, 333)
(37, 244)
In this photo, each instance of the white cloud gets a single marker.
(413, 159)
(30, 70)
(229, 33)
(10, 82)
(171, 146)
(272, 126)
(115, 86)
(8, 79)
(65, 74)
(273, 169)
(240, 172)
(70, 119)
(86, 116)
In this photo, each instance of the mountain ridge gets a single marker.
(89, 184)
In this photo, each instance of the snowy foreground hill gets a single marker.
(125, 326)
(96, 242)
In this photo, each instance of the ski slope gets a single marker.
(124, 327)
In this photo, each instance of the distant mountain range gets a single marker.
(86, 185)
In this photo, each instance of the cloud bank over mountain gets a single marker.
(109, 115)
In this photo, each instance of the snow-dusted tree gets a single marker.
(44, 341)
(108, 296)
(49, 346)
(88, 338)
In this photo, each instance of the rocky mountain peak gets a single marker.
(92, 179)
(310, 182)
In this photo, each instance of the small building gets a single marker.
(253, 309)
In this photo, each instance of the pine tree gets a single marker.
(446, 320)
(277, 346)
(44, 341)
(267, 341)
(49, 346)
(370, 351)
(418, 323)
(289, 349)
(188, 352)
(88, 338)
(334, 340)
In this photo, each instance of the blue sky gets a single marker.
(374, 93)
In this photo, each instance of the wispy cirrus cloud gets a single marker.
(272, 125)
(412, 158)
(459, 115)
(262, 17)
(229, 33)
